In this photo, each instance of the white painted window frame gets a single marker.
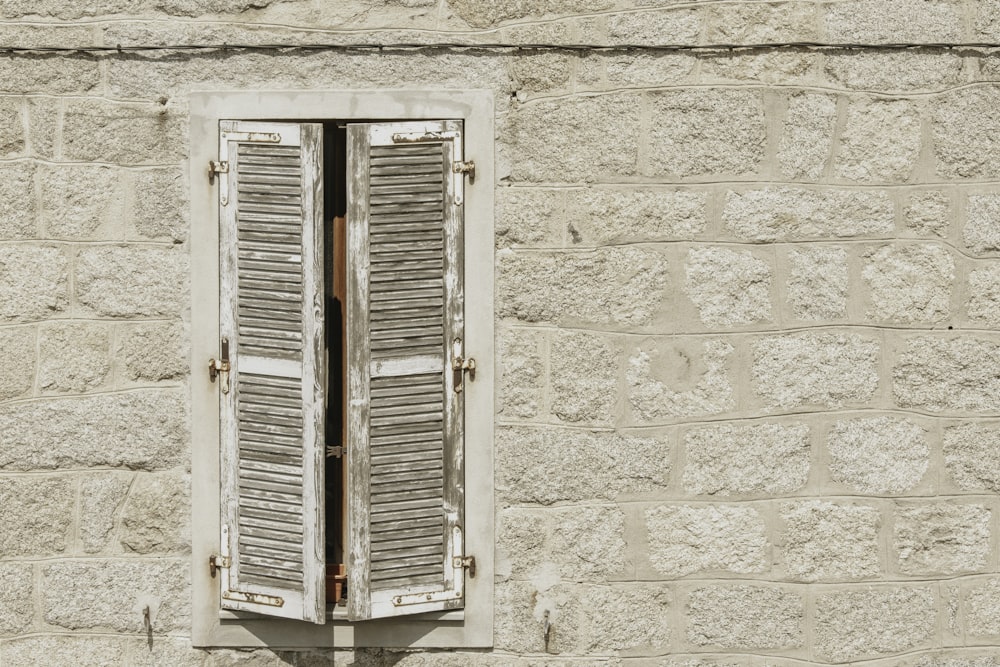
(212, 626)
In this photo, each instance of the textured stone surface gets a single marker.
(541, 71)
(43, 122)
(160, 208)
(34, 282)
(830, 369)
(770, 67)
(166, 652)
(773, 214)
(79, 200)
(143, 429)
(648, 69)
(894, 21)
(745, 617)
(106, 594)
(966, 132)
(854, 624)
(817, 283)
(688, 539)
(101, 497)
(17, 607)
(156, 515)
(17, 359)
(104, 131)
(673, 378)
(522, 354)
(153, 352)
(972, 455)
(684, 27)
(909, 283)
(119, 281)
(981, 232)
(584, 372)
(545, 465)
(982, 609)
(706, 133)
(984, 294)
(948, 374)
(894, 70)
(881, 141)
(567, 139)
(823, 540)
(621, 286)
(527, 216)
(36, 515)
(807, 136)
(618, 215)
(17, 199)
(928, 213)
(634, 617)
(761, 23)
(80, 651)
(73, 357)
(942, 538)
(878, 454)
(740, 459)
(520, 616)
(728, 287)
(481, 13)
(12, 141)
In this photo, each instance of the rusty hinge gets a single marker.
(468, 167)
(467, 562)
(461, 365)
(334, 451)
(216, 168)
(215, 563)
(220, 368)
(254, 598)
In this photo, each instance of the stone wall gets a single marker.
(747, 310)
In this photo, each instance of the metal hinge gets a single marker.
(220, 368)
(216, 168)
(460, 365)
(215, 563)
(254, 598)
(334, 451)
(467, 562)
(467, 167)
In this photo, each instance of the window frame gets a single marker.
(212, 626)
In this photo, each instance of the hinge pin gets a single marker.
(216, 168)
(468, 167)
(215, 563)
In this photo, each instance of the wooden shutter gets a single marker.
(271, 245)
(405, 408)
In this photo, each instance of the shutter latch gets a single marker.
(220, 368)
(468, 167)
(216, 168)
(460, 365)
(467, 562)
(215, 563)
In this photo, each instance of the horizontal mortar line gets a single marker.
(874, 501)
(138, 168)
(130, 390)
(180, 558)
(132, 245)
(68, 471)
(91, 320)
(782, 654)
(746, 579)
(57, 631)
(682, 186)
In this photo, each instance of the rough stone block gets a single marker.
(620, 286)
(959, 658)
(982, 609)
(986, 19)
(36, 515)
(589, 542)
(744, 459)
(119, 281)
(104, 131)
(881, 141)
(823, 540)
(630, 618)
(50, 74)
(981, 232)
(817, 283)
(43, 127)
(110, 594)
(775, 214)
(745, 617)
(894, 21)
(17, 607)
(857, 624)
(522, 354)
(728, 287)
(522, 543)
(17, 359)
(683, 25)
(984, 294)
(769, 67)
(160, 207)
(570, 139)
(972, 455)
(101, 497)
(81, 202)
(706, 133)
(928, 213)
(688, 539)
(942, 538)
(528, 217)
(142, 429)
(12, 140)
(878, 454)
(34, 282)
(948, 374)
(909, 283)
(546, 465)
(602, 215)
(676, 378)
(169, 652)
(893, 70)
(807, 136)
(155, 518)
(545, 71)
(74, 356)
(753, 23)
(79, 651)
(483, 13)
(520, 614)
(647, 69)
(966, 132)
(17, 201)
(153, 352)
(829, 369)
(584, 376)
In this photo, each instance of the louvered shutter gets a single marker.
(405, 324)
(271, 247)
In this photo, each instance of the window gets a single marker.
(415, 477)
